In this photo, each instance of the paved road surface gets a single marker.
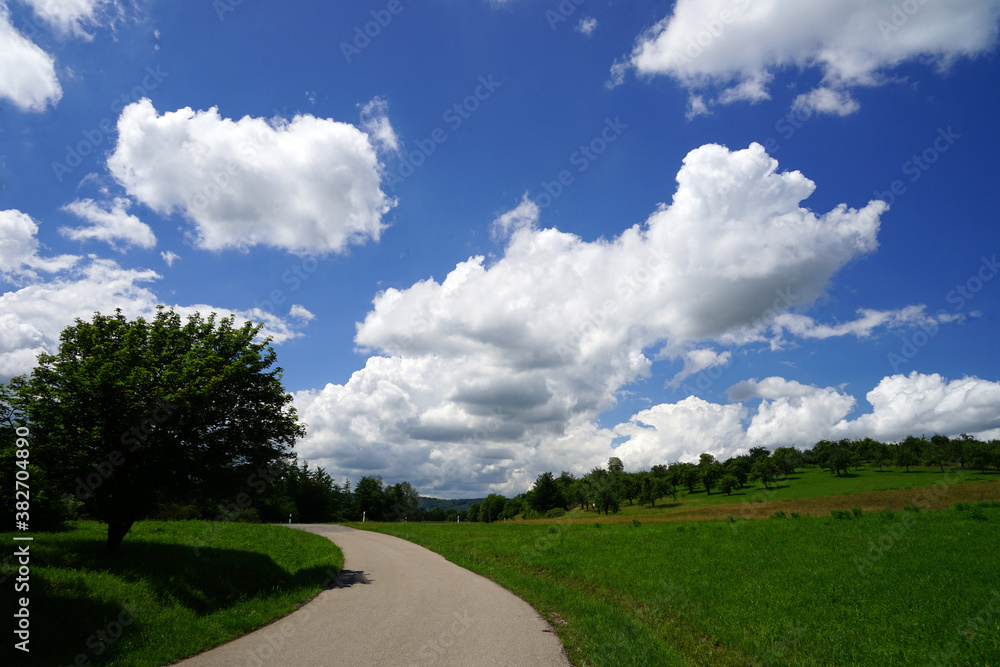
(396, 603)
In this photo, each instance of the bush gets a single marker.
(553, 530)
(795, 515)
(961, 507)
(778, 515)
(910, 508)
(597, 524)
(555, 513)
(841, 514)
(888, 515)
(978, 514)
(992, 504)
(856, 511)
(636, 523)
(531, 514)
(730, 518)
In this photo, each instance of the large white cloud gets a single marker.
(916, 403)
(791, 413)
(473, 377)
(67, 287)
(309, 185)
(736, 46)
(27, 73)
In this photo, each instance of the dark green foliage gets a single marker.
(545, 494)
(709, 471)
(370, 502)
(841, 514)
(727, 483)
(778, 515)
(132, 415)
(763, 469)
(515, 506)
(491, 508)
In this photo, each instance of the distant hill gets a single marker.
(457, 504)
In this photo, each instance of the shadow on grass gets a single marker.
(70, 619)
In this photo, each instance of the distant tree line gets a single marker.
(605, 490)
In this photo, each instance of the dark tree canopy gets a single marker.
(130, 415)
(545, 495)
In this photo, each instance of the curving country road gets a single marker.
(396, 603)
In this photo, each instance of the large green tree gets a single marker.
(129, 415)
(370, 500)
(545, 494)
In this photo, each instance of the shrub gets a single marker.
(910, 508)
(778, 515)
(840, 514)
(597, 524)
(552, 530)
(978, 514)
(555, 513)
(795, 515)
(856, 511)
(993, 504)
(531, 514)
(730, 518)
(888, 515)
(961, 507)
(636, 523)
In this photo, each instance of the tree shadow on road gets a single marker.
(348, 578)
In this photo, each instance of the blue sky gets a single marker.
(492, 239)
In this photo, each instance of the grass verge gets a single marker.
(173, 590)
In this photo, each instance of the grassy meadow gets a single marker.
(174, 589)
(653, 587)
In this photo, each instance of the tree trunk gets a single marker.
(117, 530)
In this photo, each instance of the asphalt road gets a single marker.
(396, 603)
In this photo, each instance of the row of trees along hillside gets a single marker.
(607, 489)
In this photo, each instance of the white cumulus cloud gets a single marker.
(19, 248)
(67, 287)
(794, 414)
(27, 73)
(309, 185)
(472, 376)
(736, 46)
(112, 224)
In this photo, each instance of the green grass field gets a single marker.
(898, 588)
(175, 589)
